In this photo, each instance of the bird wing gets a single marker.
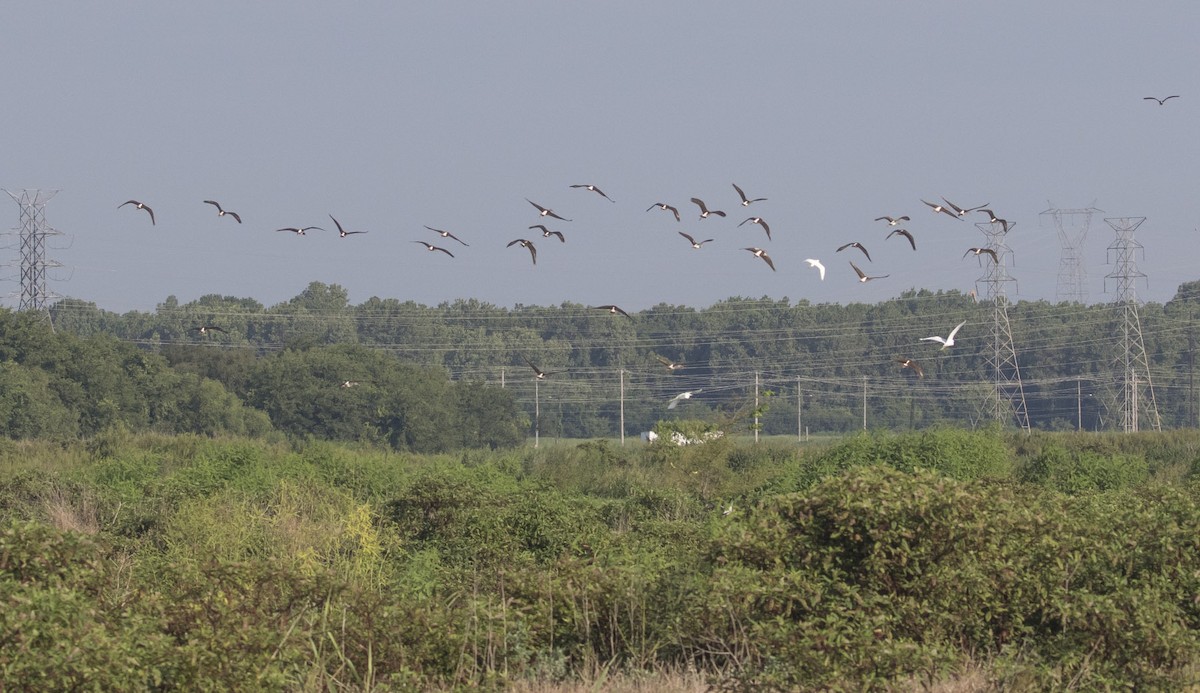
(237, 217)
(767, 259)
(444, 251)
(740, 193)
(700, 203)
(953, 332)
(816, 263)
(939, 340)
(689, 238)
(214, 204)
(956, 208)
(860, 273)
(675, 211)
(864, 250)
(339, 226)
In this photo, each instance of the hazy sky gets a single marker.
(391, 116)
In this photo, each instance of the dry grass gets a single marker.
(658, 682)
(78, 513)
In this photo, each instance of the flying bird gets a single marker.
(342, 233)
(682, 396)
(300, 230)
(446, 234)
(205, 329)
(961, 212)
(940, 208)
(863, 277)
(948, 341)
(993, 219)
(140, 205)
(222, 212)
(612, 310)
(546, 233)
(596, 190)
(537, 372)
(695, 244)
(1162, 100)
(760, 222)
(671, 365)
(544, 211)
(747, 202)
(856, 244)
(906, 234)
(704, 211)
(525, 244)
(759, 252)
(909, 363)
(664, 205)
(431, 248)
(892, 221)
(816, 263)
(349, 383)
(982, 251)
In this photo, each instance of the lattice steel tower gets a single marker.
(34, 231)
(1007, 399)
(1137, 391)
(1072, 225)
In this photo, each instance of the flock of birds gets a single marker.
(546, 214)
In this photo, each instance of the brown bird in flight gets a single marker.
(747, 202)
(759, 252)
(594, 189)
(1162, 100)
(431, 248)
(671, 365)
(906, 234)
(300, 230)
(892, 221)
(546, 233)
(342, 233)
(760, 222)
(863, 277)
(205, 329)
(537, 372)
(982, 251)
(856, 244)
(545, 211)
(140, 205)
(446, 234)
(909, 363)
(993, 219)
(525, 244)
(664, 205)
(695, 244)
(705, 211)
(961, 212)
(612, 310)
(222, 212)
(940, 208)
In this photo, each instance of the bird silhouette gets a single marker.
(892, 221)
(705, 211)
(222, 212)
(760, 222)
(613, 310)
(1162, 100)
(671, 365)
(205, 329)
(537, 372)
(910, 364)
(863, 277)
(982, 251)
(695, 244)
(747, 202)
(993, 219)
(431, 248)
(816, 263)
(948, 340)
(300, 230)
(342, 233)
(140, 205)
(759, 252)
(941, 208)
(961, 212)
(525, 244)
(594, 189)
(906, 234)
(446, 234)
(664, 205)
(856, 244)
(546, 233)
(545, 211)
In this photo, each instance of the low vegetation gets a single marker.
(136, 561)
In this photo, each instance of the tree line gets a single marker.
(820, 367)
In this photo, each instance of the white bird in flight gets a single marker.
(947, 341)
(680, 397)
(816, 263)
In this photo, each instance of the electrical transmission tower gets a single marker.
(1137, 391)
(1072, 225)
(33, 233)
(1007, 399)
